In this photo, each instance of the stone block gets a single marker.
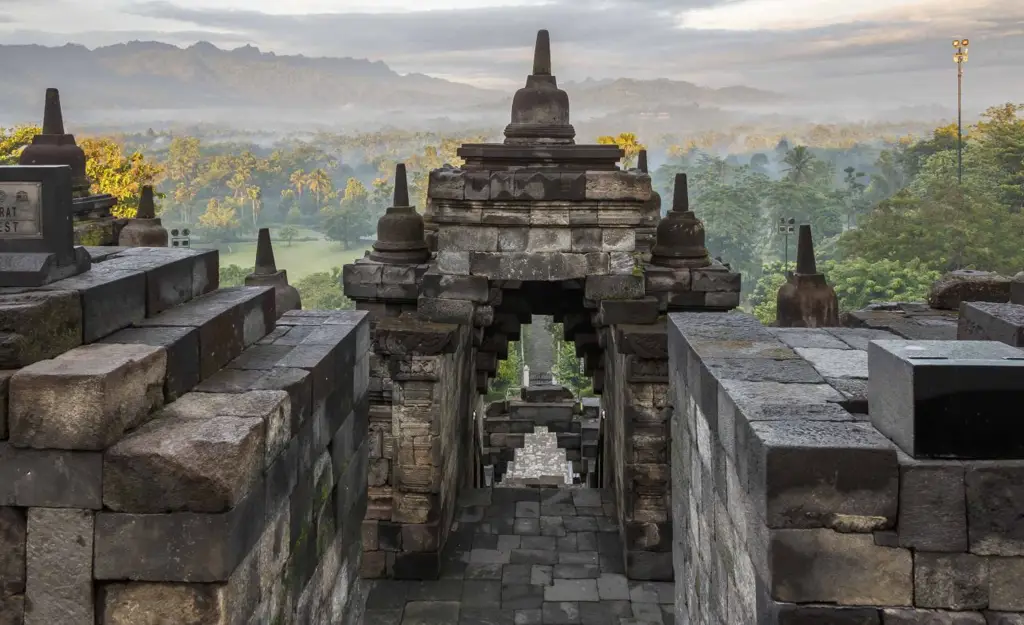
(968, 286)
(947, 399)
(618, 240)
(584, 240)
(13, 529)
(176, 465)
(951, 581)
(618, 185)
(837, 363)
(447, 184)
(270, 407)
(297, 383)
(990, 321)
(549, 240)
(183, 358)
(111, 300)
(468, 239)
(617, 287)
(86, 398)
(446, 286)
(59, 550)
(933, 508)
(49, 478)
(902, 616)
(513, 239)
(995, 497)
(827, 615)
(822, 566)
(228, 321)
(714, 279)
(1006, 584)
(38, 325)
(179, 546)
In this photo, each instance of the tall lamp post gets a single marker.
(786, 228)
(960, 57)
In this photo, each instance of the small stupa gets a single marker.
(540, 110)
(806, 300)
(53, 146)
(680, 240)
(400, 232)
(647, 230)
(145, 229)
(267, 274)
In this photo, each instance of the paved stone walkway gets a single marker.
(527, 557)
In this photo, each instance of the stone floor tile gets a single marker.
(605, 524)
(612, 563)
(516, 574)
(521, 597)
(580, 523)
(485, 616)
(556, 495)
(534, 556)
(540, 575)
(608, 543)
(561, 613)
(609, 510)
(454, 568)
(640, 592)
(473, 514)
(436, 590)
(475, 497)
(488, 556)
(576, 571)
(572, 590)
(552, 526)
(545, 543)
(515, 495)
(382, 617)
(482, 571)
(528, 510)
(592, 613)
(666, 591)
(485, 541)
(586, 541)
(431, 613)
(580, 557)
(648, 612)
(388, 595)
(481, 594)
(613, 587)
(589, 511)
(567, 544)
(527, 527)
(668, 614)
(586, 497)
(558, 509)
(508, 542)
(528, 617)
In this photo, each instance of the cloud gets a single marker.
(828, 47)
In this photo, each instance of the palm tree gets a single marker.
(801, 164)
(298, 180)
(319, 184)
(256, 197)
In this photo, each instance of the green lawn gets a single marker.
(300, 259)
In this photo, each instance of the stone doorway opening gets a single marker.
(540, 421)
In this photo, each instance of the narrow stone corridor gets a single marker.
(527, 557)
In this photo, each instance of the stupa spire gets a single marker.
(681, 194)
(542, 54)
(53, 117)
(147, 206)
(805, 263)
(641, 162)
(265, 263)
(401, 197)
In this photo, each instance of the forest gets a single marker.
(888, 212)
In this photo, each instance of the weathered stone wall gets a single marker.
(789, 507)
(169, 455)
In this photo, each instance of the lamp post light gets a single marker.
(181, 238)
(960, 57)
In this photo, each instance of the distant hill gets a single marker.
(151, 75)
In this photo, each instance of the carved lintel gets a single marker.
(645, 341)
(414, 368)
(407, 335)
(646, 370)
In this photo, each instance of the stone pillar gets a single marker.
(806, 300)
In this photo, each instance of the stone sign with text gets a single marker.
(37, 227)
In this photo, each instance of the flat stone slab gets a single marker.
(837, 363)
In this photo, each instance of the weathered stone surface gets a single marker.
(822, 566)
(968, 286)
(12, 553)
(902, 616)
(58, 585)
(111, 299)
(822, 615)
(5, 379)
(933, 508)
(86, 398)
(990, 321)
(38, 325)
(952, 581)
(50, 478)
(183, 358)
(174, 464)
(816, 338)
(1006, 584)
(837, 363)
(995, 497)
(814, 472)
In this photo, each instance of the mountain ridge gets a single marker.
(157, 75)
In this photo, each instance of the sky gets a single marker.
(855, 50)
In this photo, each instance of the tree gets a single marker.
(319, 184)
(510, 371)
(628, 143)
(799, 165)
(859, 282)
(233, 275)
(14, 140)
(219, 222)
(183, 166)
(764, 297)
(568, 368)
(288, 233)
(352, 219)
(322, 291)
(123, 177)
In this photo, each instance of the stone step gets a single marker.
(546, 394)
